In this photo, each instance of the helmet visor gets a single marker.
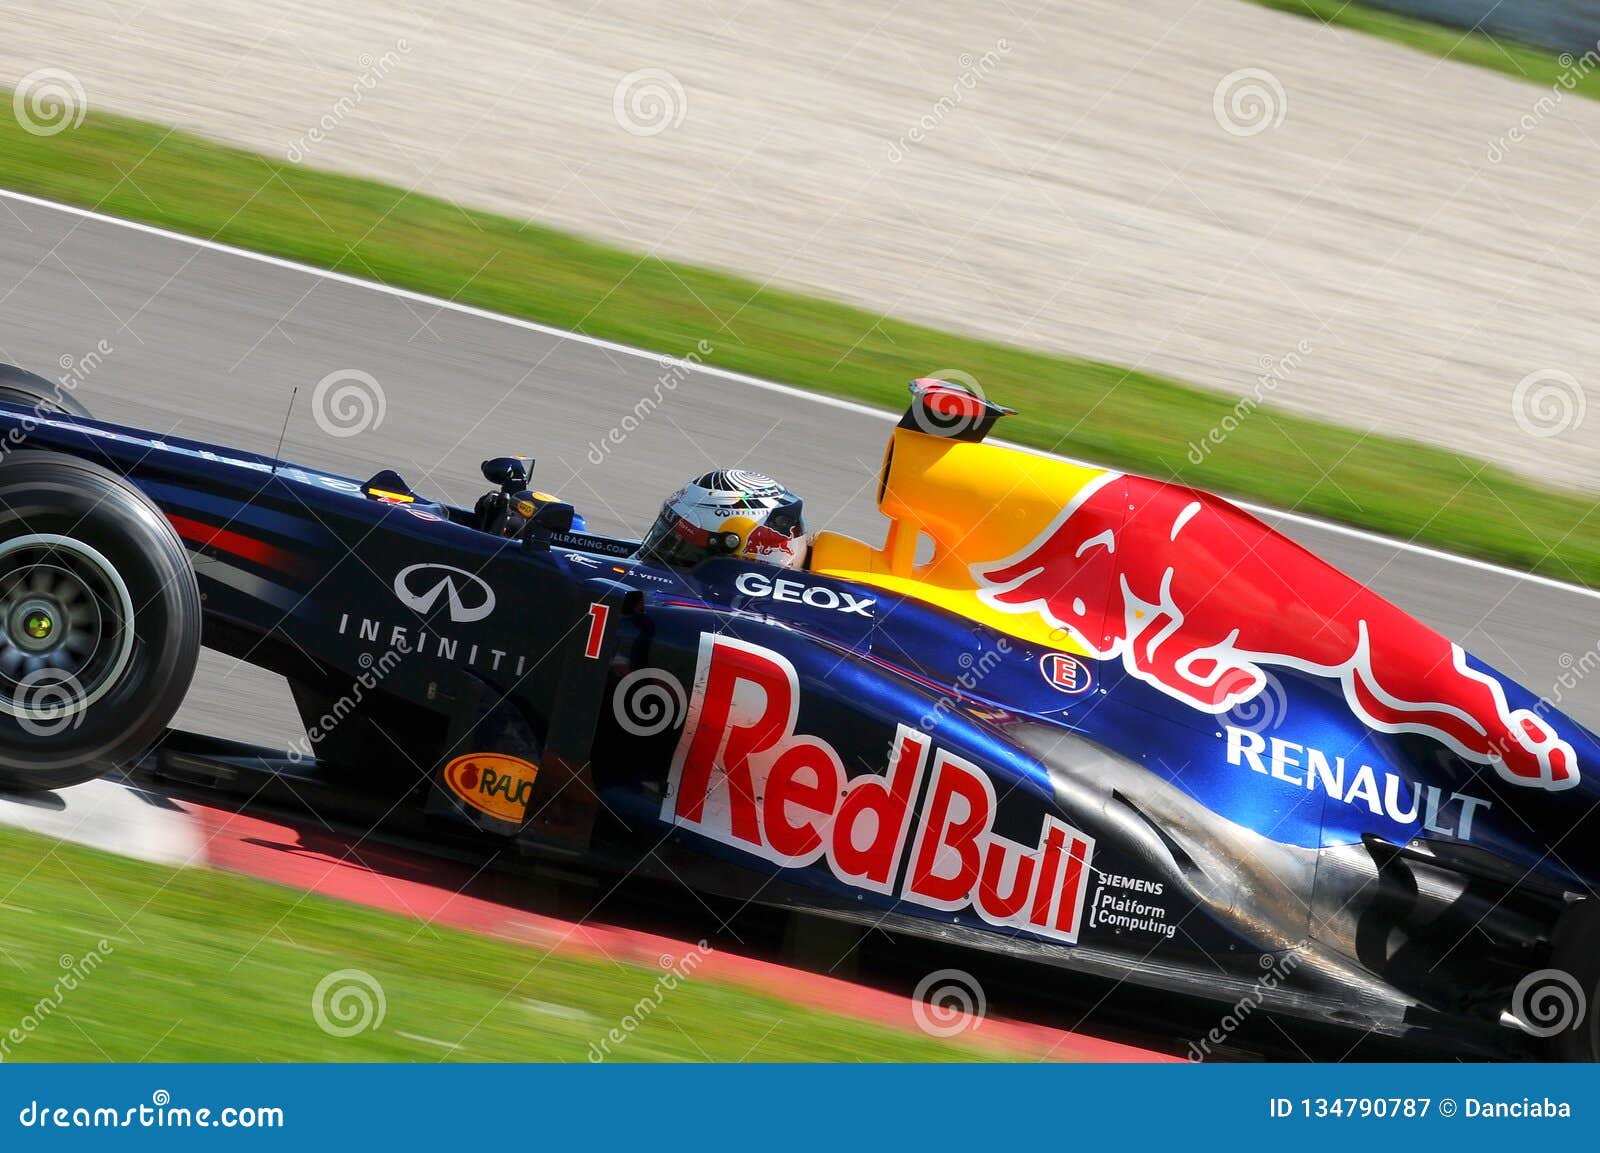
(675, 541)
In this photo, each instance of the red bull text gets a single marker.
(744, 777)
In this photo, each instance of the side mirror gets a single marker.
(553, 516)
(506, 472)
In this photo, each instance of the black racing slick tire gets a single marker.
(1563, 1001)
(18, 386)
(99, 621)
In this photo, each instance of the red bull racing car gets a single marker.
(1103, 723)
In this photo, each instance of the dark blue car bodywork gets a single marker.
(1189, 851)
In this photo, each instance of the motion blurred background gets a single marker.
(1338, 259)
(1189, 189)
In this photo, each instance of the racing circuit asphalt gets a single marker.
(208, 344)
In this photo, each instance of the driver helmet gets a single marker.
(731, 512)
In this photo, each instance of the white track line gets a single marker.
(748, 381)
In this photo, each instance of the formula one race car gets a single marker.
(1108, 724)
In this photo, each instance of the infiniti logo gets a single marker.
(420, 586)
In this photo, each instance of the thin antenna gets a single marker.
(285, 432)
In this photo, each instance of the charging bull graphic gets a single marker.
(1196, 596)
(761, 542)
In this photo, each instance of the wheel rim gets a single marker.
(66, 630)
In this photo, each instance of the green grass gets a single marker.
(1093, 410)
(206, 966)
(1523, 61)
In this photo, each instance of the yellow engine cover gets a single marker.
(977, 504)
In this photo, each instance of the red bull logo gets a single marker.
(1196, 597)
(758, 542)
(763, 541)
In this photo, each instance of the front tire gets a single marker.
(99, 621)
